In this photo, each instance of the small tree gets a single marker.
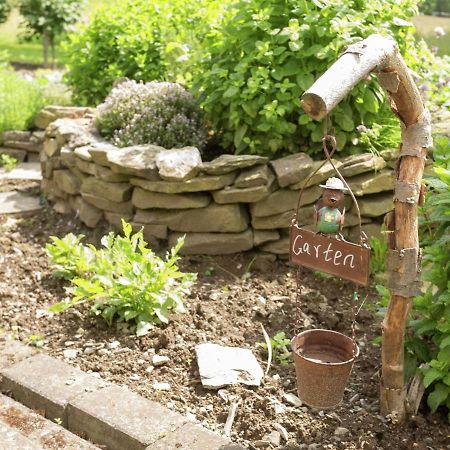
(48, 19)
(5, 8)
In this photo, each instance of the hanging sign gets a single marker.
(328, 254)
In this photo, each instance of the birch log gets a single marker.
(380, 55)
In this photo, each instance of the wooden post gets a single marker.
(380, 55)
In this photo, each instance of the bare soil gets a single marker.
(227, 306)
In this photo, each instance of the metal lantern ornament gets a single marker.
(323, 358)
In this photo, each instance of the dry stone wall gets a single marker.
(232, 204)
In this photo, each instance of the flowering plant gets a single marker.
(157, 113)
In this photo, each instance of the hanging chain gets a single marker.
(298, 300)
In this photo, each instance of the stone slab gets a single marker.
(178, 164)
(213, 243)
(228, 163)
(280, 247)
(144, 199)
(116, 192)
(372, 183)
(139, 161)
(104, 204)
(283, 220)
(23, 171)
(106, 174)
(15, 153)
(30, 146)
(16, 135)
(189, 437)
(263, 236)
(322, 174)
(356, 165)
(212, 219)
(292, 169)
(221, 366)
(284, 200)
(99, 152)
(21, 428)
(51, 147)
(50, 393)
(259, 175)
(12, 351)
(67, 181)
(375, 205)
(89, 214)
(120, 419)
(14, 202)
(197, 184)
(68, 157)
(241, 195)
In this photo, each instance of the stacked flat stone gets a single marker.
(232, 204)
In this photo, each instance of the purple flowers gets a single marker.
(157, 113)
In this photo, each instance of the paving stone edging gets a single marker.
(108, 415)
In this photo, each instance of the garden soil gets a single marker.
(231, 300)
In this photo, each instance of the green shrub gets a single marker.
(20, 101)
(7, 162)
(124, 279)
(5, 9)
(157, 113)
(429, 331)
(267, 54)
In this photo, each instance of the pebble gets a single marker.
(135, 377)
(161, 386)
(113, 345)
(89, 350)
(283, 432)
(292, 399)
(274, 438)
(70, 353)
(160, 360)
(69, 343)
(279, 408)
(103, 351)
(341, 431)
(149, 369)
(262, 443)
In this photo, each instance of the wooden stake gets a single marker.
(380, 55)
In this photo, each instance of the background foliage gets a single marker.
(263, 59)
(5, 9)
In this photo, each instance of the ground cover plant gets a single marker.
(157, 113)
(7, 162)
(124, 279)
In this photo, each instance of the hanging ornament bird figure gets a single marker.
(330, 209)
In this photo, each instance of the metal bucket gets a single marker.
(323, 361)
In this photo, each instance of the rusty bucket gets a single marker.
(323, 361)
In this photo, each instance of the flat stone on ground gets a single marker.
(23, 429)
(197, 184)
(229, 163)
(23, 171)
(213, 243)
(221, 366)
(49, 392)
(260, 175)
(189, 437)
(14, 202)
(284, 200)
(139, 161)
(178, 164)
(212, 219)
(120, 419)
(148, 200)
(241, 195)
(292, 169)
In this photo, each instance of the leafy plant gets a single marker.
(124, 279)
(279, 344)
(48, 19)
(36, 340)
(7, 162)
(429, 331)
(269, 52)
(164, 114)
(20, 101)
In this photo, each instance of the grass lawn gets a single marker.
(425, 28)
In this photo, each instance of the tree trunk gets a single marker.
(46, 42)
(380, 55)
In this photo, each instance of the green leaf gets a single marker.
(445, 342)
(438, 396)
(239, 134)
(371, 101)
(431, 375)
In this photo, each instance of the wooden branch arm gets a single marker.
(380, 55)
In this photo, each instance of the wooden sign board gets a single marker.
(328, 254)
